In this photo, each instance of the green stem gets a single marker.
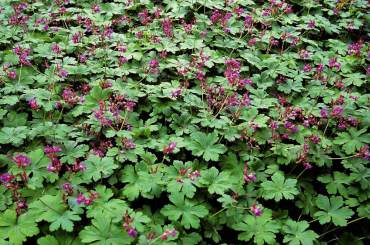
(341, 158)
(220, 211)
(312, 221)
(299, 175)
(154, 240)
(334, 229)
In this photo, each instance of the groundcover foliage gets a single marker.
(184, 122)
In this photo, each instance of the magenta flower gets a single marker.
(132, 232)
(21, 160)
(95, 8)
(307, 68)
(256, 210)
(33, 104)
(167, 28)
(194, 175)
(315, 139)
(50, 168)
(333, 63)
(52, 149)
(67, 187)
(80, 198)
(252, 42)
(311, 24)
(6, 178)
(248, 21)
(364, 153)
(63, 73)
(169, 149)
(216, 16)
(12, 74)
(56, 48)
(319, 67)
(307, 165)
(251, 177)
(122, 60)
(291, 127)
(154, 63)
(337, 111)
(176, 93)
(324, 113)
(168, 232)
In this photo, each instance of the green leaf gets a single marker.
(140, 181)
(98, 168)
(186, 186)
(296, 233)
(352, 140)
(333, 210)
(187, 210)
(14, 136)
(38, 169)
(51, 209)
(72, 151)
(203, 144)
(17, 229)
(336, 184)
(279, 188)
(47, 240)
(103, 232)
(14, 119)
(215, 181)
(262, 229)
(105, 206)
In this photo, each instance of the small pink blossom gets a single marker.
(256, 210)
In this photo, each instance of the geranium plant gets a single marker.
(184, 122)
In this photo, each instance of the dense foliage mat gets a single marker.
(184, 122)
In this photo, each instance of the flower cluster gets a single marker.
(127, 221)
(81, 199)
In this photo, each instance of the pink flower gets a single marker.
(154, 63)
(52, 149)
(95, 8)
(251, 177)
(176, 93)
(132, 232)
(364, 153)
(80, 198)
(291, 127)
(333, 63)
(56, 48)
(63, 73)
(319, 67)
(216, 16)
(194, 175)
(256, 210)
(324, 113)
(67, 187)
(315, 139)
(50, 168)
(6, 178)
(21, 160)
(122, 60)
(252, 42)
(311, 24)
(168, 232)
(12, 74)
(307, 68)
(33, 104)
(169, 149)
(307, 165)
(337, 111)
(167, 28)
